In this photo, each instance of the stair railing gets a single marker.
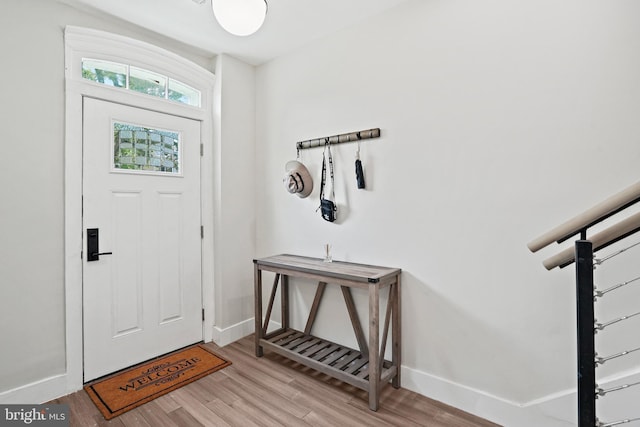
(582, 254)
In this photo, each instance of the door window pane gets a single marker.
(141, 149)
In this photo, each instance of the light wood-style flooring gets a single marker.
(273, 391)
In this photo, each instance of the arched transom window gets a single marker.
(139, 80)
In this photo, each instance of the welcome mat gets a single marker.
(129, 389)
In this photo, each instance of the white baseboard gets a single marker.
(36, 392)
(233, 333)
(554, 411)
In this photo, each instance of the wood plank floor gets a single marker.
(272, 391)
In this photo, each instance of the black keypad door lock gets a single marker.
(93, 245)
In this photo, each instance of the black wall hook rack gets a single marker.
(339, 139)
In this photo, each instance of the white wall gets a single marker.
(235, 224)
(31, 252)
(499, 120)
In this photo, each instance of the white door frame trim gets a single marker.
(87, 43)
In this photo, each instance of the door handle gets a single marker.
(96, 254)
(93, 245)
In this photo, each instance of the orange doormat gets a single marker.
(126, 390)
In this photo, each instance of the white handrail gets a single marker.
(588, 217)
(599, 240)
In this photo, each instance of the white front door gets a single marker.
(141, 194)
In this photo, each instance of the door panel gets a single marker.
(141, 189)
(170, 257)
(126, 267)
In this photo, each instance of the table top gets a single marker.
(337, 269)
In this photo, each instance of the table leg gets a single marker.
(257, 281)
(396, 337)
(374, 347)
(284, 301)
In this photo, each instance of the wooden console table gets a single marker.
(364, 368)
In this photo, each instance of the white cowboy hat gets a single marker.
(297, 179)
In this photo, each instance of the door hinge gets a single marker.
(201, 149)
(203, 314)
(202, 231)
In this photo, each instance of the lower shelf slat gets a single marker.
(343, 363)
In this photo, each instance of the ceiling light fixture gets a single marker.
(240, 17)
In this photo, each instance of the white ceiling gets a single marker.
(289, 25)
